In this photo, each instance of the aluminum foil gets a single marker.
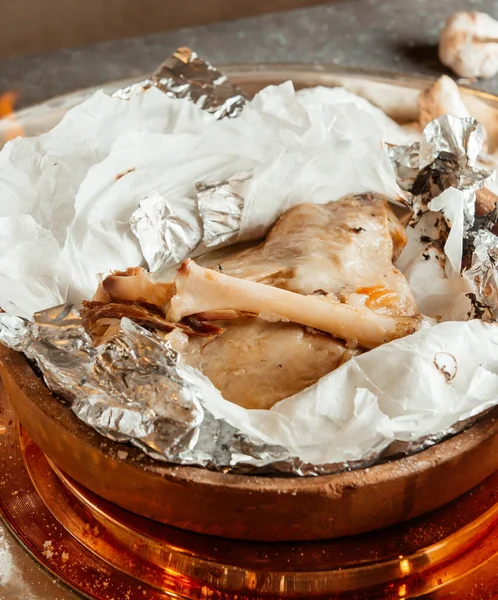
(186, 75)
(405, 160)
(170, 229)
(167, 229)
(453, 138)
(484, 275)
(220, 207)
(446, 157)
(13, 331)
(133, 388)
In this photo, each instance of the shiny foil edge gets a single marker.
(446, 156)
(185, 75)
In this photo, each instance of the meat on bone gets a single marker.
(201, 290)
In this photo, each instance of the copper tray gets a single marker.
(246, 507)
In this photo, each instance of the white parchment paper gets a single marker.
(66, 199)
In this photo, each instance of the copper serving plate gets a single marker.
(253, 507)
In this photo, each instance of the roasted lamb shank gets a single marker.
(266, 322)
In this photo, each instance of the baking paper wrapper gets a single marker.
(288, 148)
(41, 179)
(152, 179)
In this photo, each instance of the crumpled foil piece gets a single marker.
(167, 229)
(405, 160)
(134, 388)
(448, 156)
(445, 157)
(483, 273)
(453, 138)
(13, 331)
(186, 75)
(170, 229)
(220, 206)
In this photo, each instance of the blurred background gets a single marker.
(49, 47)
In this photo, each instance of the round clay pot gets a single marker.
(249, 507)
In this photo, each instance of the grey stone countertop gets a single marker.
(392, 35)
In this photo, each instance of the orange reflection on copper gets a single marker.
(7, 104)
(404, 566)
